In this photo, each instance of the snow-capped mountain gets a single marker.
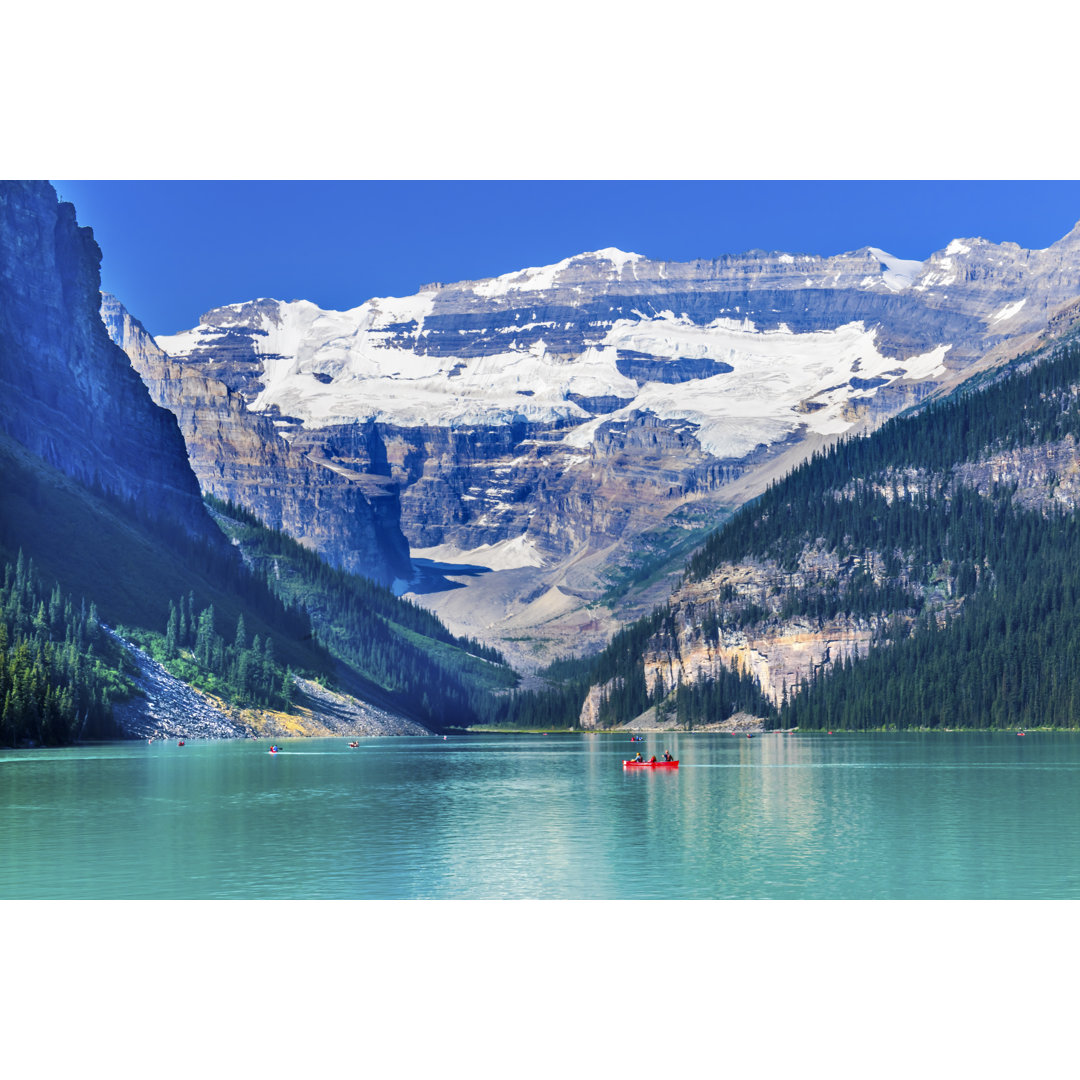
(553, 422)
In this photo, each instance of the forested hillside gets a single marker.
(113, 558)
(624, 690)
(237, 626)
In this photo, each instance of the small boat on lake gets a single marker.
(353, 745)
(650, 764)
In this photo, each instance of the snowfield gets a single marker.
(769, 383)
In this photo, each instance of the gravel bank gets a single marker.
(342, 714)
(739, 722)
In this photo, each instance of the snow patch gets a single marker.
(779, 381)
(618, 257)
(505, 555)
(1008, 311)
(538, 278)
(898, 273)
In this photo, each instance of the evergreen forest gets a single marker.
(59, 670)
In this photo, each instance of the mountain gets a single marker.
(100, 514)
(577, 429)
(106, 542)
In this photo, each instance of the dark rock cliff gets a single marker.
(67, 393)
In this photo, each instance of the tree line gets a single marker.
(624, 691)
(267, 543)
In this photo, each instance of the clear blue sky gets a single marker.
(174, 249)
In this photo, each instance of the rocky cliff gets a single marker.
(349, 513)
(67, 393)
(554, 422)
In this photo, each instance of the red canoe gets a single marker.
(650, 764)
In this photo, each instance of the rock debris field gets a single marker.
(170, 709)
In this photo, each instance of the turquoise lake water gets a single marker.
(907, 816)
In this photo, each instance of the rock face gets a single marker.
(350, 514)
(553, 422)
(67, 392)
(779, 652)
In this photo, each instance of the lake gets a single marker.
(870, 816)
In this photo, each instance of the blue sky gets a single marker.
(174, 249)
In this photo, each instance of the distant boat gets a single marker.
(650, 764)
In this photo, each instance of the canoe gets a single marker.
(650, 764)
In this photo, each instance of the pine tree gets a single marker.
(172, 633)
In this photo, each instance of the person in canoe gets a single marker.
(652, 760)
(667, 756)
(637, 757)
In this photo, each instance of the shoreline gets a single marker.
(278, 735)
